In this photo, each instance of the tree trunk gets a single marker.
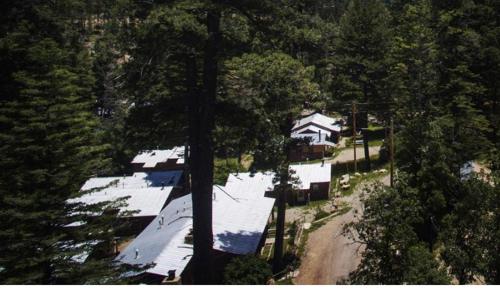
(366, 148)
(282, 197)
(202, 156)
(280, 221)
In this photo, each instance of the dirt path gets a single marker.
(347, 155)
(330, 256)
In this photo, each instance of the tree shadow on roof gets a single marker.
(163, 178)
(242, 242)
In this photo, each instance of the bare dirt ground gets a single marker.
(329, 256)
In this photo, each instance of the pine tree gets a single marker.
(48, 142)
(360, 59)
(393, 254)
(274, 87)
(459, 85)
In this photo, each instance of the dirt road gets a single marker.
(330, 256)
(347, 155)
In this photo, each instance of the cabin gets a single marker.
(319, 133)
(147, 194)
(241, 211)
(312, 182)
(319, 124)
(159, 160)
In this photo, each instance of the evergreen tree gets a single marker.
(393, 253)
(459, 85)
(360, 59)
(49, 147)
(247, 270)
(274, 87)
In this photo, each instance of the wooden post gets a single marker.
(354, 135)
(392, 152)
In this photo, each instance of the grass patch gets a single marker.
(377, 142)
(287, 281)
(373, 127)
(267, 250)
(313, 204)
(355, 180)
(320, 213)
(222, 168)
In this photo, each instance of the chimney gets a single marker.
(319, 132)
(322, 162)
(213, 196)
(161, 220)
(162, 185)
(136, 253)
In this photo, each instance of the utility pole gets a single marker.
(354, 134)
(392, 152)
(366, 139)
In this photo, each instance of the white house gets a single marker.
(318, 123)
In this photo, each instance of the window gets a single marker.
(315, 186)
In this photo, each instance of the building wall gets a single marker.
(165, 166)
(312, 152)
(321, 192)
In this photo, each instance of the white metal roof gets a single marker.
(240, 215)
(311, 129)
(318, 119)
(148, 192)
(164, 245)
(315, 138)
(311, 173)
(241, 212)
(152, 157)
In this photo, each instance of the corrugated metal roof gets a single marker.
(311, 129)
(164, 244)
(150, 158)
(148, 192)
(319, 119)
(311, 173)
(241, 212)
(240, 215)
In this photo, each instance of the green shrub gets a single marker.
(247, 270)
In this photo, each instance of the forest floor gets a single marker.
(329, 256)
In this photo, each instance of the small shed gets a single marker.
(313, 182)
